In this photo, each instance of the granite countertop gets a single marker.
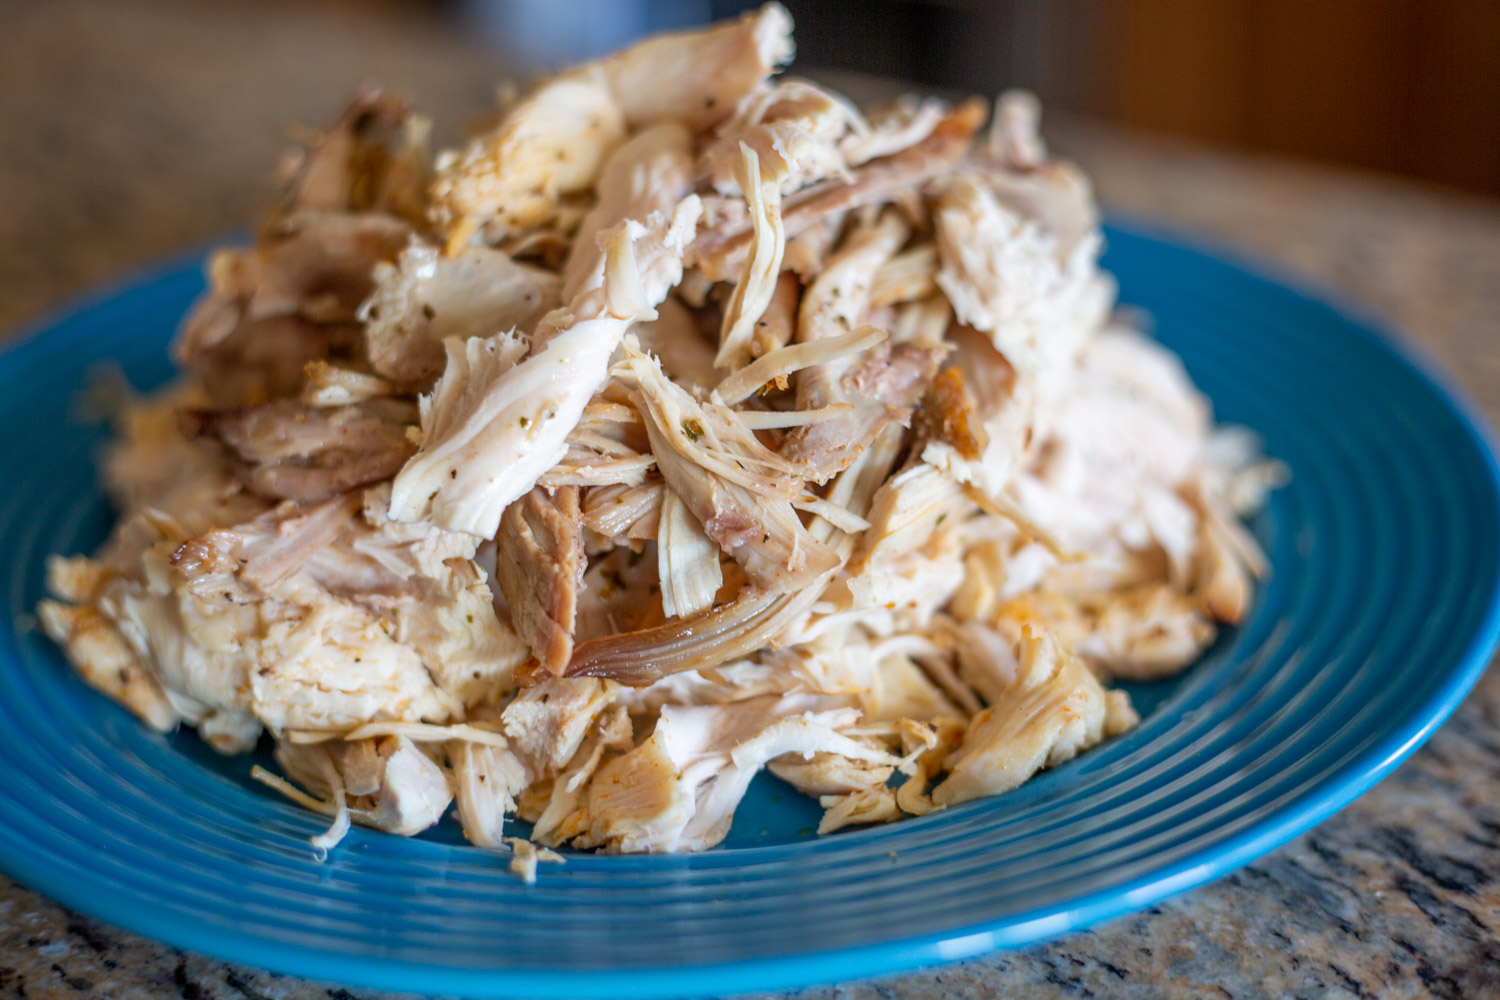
(130, 130)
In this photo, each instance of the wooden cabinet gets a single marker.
(1409, 86)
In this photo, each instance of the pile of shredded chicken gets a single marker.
(689, 422)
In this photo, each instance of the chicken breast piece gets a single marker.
(1050, 711)
(794, 128)
(374, 157)
(314, 264)
(547, 723)
(678, 790)
(1008, 278)
(556, 140)
(910, 556)
(102, 657)
(426, 297)
(489, 432)
(336, 668)
(687, 561)
(720, 250)
(413, 792)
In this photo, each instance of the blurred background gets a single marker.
(1406, 86)
(134, 128)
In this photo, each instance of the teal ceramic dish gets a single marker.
(1380, 615)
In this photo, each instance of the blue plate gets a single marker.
(1380, 615)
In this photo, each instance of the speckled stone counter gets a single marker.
(129, 130)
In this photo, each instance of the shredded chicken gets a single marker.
(517, 416)
(555, 141)
(678, 789)
(687, 560)
(426, 297)
(286, 451)
(717, 251)
(724, 476)
(838, 301)
(539, 564)
(687, 424)
(1047, 710)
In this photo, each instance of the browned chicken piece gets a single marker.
(320, 264)
(284, 305)
(373, 158)
(267, 359)
(286, 451)
(751, 621)
(878, 391)
(539, 566)
(703, 641)
(718, 252)
(882, 390)
(739, 491)
(292, 298)
(104, 659)
(313, 264)
(269, 549)
(980, 415)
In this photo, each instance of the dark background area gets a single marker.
(1405, 86)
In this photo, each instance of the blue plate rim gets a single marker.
(1332, 793)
